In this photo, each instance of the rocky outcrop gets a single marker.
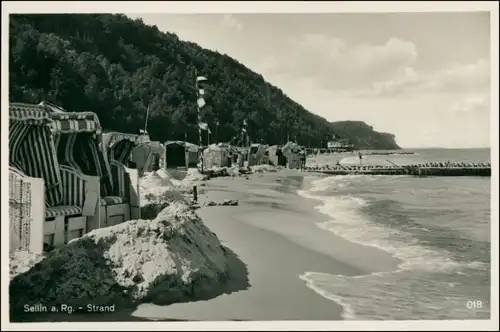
(172, 258)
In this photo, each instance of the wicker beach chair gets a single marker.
(55, 200)
(78, 142)
(117, 148)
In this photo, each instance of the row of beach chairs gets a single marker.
(66, 176)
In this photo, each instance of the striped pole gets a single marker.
(246, 140)
(198, 108)
(200, 102)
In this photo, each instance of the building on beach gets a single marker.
(338, 144)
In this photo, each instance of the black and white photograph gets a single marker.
(290, 164)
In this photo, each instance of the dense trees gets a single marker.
(117, 67)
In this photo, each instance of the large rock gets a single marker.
(172, 258)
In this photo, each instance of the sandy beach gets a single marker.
(273, 232)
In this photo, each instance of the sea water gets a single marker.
(438, 227)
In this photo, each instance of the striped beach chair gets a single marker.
(78, 143)
(117, 148)
(59, 198)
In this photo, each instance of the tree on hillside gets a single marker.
(117, 67)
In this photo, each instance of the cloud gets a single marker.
(471, 105)
(404, 79)
(338, 65)
(230, 22)
(460, 78)
(371, 70)
(456, 78)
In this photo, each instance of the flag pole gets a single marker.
(198, 118)
(185, 150)
(146, 123)
(217, 132)
(246, 137)
(198, 107)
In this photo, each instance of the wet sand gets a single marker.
(273, 232)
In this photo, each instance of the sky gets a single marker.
(424, 77)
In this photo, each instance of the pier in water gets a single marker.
(428, 169)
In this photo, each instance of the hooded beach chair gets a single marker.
(50, 202)
(146, 154)
(117, 148)
(79, 145)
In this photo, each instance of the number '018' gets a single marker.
(474, 304)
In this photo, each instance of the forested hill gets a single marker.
(116, 67)
(363, 136)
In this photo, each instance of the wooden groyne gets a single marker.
(428, 169)
(386, 153)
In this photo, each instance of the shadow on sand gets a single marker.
(201, 290)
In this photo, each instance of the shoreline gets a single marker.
(274, 232)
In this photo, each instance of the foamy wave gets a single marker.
(333, 182)
(348, 222)
(365, 296)
(396, 295)
(347, 310)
